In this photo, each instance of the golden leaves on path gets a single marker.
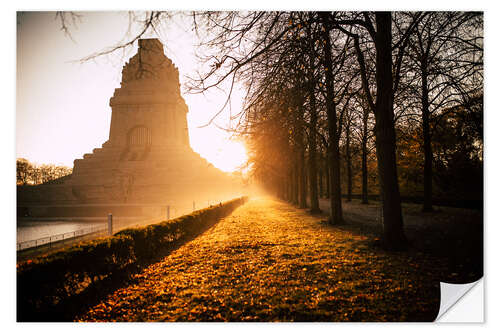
(271, 262)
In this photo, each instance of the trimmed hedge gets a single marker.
(45, 286)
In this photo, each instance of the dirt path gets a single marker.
(271, 262)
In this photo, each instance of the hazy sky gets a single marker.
(62, 106)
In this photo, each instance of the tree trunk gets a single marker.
(302, 180)
(320, 182)
(313, 181)
(299, 144)
(393, 237)
(313, 169)
(295, 182)
(348, 161)
(364, 159)
(289, 187)
(285, 189)
(333, 144)
(327, 175)
(281, 189)
(427, 142)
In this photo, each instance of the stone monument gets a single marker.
(147, 158)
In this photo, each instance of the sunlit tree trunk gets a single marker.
(289, 196)
(285, 188)
(295, 182)
(333, 144)
(313, 112)
(302, 180)
(281, 188)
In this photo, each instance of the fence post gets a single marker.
(168, 213)
(110, 224)
(194, 207)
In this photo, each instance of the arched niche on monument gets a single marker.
(139, 137)
(138, 144)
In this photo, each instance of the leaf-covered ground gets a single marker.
(269, 261)
(453, 234)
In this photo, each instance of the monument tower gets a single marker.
(147, 157)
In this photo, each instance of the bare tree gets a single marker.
(386, 85)
(446, 55)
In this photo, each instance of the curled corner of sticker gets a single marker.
(451, 297)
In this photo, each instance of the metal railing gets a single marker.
(118, 224)
(49, 240)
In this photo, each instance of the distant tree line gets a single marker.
(28, 173)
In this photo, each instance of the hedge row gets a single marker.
(47, 284)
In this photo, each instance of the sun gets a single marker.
(225, 154)
(229, 156)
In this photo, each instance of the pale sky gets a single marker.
(62, 106)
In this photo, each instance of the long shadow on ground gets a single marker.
(455, 235)
(92, 295)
